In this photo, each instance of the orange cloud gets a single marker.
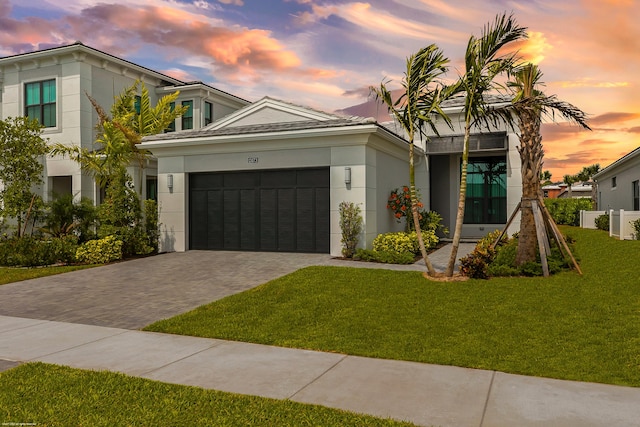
(613, 117)
(533, 48)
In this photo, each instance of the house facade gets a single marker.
(51, 85)
(494, 180)
(271, 177)
(619, 184)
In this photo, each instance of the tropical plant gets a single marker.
(399, 203)
(350, 226)
(22, 149)
(414, 109)
(530, 105)
(485, 60)
(63, 216)
(132, 117)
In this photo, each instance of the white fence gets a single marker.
(619, 222)
(588, 218)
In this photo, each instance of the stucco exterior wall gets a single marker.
(620, 196)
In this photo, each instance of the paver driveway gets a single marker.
(134, 293)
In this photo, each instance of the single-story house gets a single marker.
(271, 177)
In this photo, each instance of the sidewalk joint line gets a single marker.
(486, 403)
(330, 368)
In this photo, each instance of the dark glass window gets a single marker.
(136, 104)
(187, 117)
(40, 102)
(636, 195)
(172, 125)
(152, 188)
(486, 201)
(614, 182)
(208, 113)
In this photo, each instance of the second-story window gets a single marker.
(172, 125)
(187, 117)
(208, 113)
(40, 102)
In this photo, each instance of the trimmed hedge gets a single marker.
(100, 251)
(567, 211)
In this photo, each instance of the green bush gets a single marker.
(151, 226)
(350, 226)
(636, 226)
(384, 256)
(402, 242)
(63, 216)
(567, 211)
(28, 251)
(602, 222)
(100, 251)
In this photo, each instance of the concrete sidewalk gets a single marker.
(421, 393)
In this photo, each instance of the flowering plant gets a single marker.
(400, 204)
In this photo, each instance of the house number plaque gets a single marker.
(252, 159)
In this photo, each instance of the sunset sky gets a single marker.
(326, 53)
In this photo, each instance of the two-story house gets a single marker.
(52, 85)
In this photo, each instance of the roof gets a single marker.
(260, 128)
(624, 159)
(458, 101)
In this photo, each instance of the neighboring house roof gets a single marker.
(457, 102)
(618, 163)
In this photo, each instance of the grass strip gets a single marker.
(49, 395)
(10, 274)
(584, 328)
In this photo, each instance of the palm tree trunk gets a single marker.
(414, 211)
(461, 202)
(531, 154)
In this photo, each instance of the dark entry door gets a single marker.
(274, 210)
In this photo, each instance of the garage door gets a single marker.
(275, 210)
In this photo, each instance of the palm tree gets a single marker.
(484, 61)
(120, 134)
(414, 109)
(529, 105)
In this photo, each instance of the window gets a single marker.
(136, 103)
(187, 117)
(40, 102)
(636, 195)
(152, 188)
(172, 125)
(486, 201)
(208, 113)
(614, 182)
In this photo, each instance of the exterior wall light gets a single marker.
(170, 181)
(347, 175)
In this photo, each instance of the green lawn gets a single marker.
(8, 274)
(567, 326)
(48, 395)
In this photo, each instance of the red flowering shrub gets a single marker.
(400, 204)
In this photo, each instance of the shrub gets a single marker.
(476, 264)
(399, 242)
(602, 222)
(400, 204)
(151, 226)
(121, 215)
(28, 251)
(100, 251)
(636, 226)
(567, 211)
(350, 226)
(63, 216)
(432, 221)
(384, 256)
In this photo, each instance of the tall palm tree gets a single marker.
(484, 61)
(414, 109)
(529, 107)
